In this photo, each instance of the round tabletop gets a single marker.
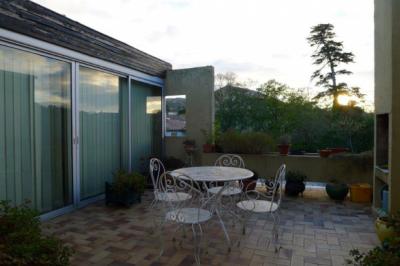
(214, 173)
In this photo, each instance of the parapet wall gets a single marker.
(317, 169)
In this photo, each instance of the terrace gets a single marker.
(76, 106)
(315, 231)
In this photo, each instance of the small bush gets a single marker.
(22, 242)
(133, 181)
(295, 176)
(387, 254)
(245, 143)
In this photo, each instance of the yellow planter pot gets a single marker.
(382, 230)
(361, 193)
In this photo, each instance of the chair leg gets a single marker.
(196, 238)
(275, 232)
(161, 240)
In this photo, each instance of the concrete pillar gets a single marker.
(198, 86)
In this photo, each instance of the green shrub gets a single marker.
(295, 176)
(387, 254)
(22, 242)
(245, 143)
(123, 180)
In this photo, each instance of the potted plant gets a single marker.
(324, 153)
(209, 146)
(337, 190)
(338, 150)
(126, 188)
(284, 145)
(189, 145)
(295, 183)
(388, 226)
(388, 230)
(386, 254)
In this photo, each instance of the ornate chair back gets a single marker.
(191, 210)
(273, 192)
(156, 170)
(231, 160)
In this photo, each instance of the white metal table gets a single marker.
(216, 174)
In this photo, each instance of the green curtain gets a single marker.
(146, 124)
(35, 130)
(100, 129)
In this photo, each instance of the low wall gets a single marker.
(316, 168)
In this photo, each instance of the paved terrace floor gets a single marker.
(315, 231)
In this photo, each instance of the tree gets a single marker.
(231, 79)
(329, 56)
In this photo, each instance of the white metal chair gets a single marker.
(234, 188)
(266, 202)
(192, 212)
(156, 170)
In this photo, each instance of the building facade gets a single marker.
(75, 106)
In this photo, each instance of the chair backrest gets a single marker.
(273, 191)
(276, 187)
(231, 160)
(156, 170)
(178, 187)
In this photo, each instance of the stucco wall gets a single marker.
(387, 91)
(198, 86)
(316, 168)
(383, 56)
(394, 135)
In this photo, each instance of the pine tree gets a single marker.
(329, 56)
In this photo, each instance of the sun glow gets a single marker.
(344, 99)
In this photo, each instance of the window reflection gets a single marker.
(35, 115)
(99, 91)
(153, 104)
(100, 129)
(176, 115)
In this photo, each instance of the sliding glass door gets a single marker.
(100, 107)
(146, 124)
(35, 130)
(45, 104)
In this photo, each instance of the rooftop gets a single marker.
(33, 20)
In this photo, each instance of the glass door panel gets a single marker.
(146, 124)
(99, 129)
(35, 130)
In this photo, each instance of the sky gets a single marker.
(256, 39)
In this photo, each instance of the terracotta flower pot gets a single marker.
(284, 149)
(338, 150)
(324, 153)
(208, 148)
(189, 149)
